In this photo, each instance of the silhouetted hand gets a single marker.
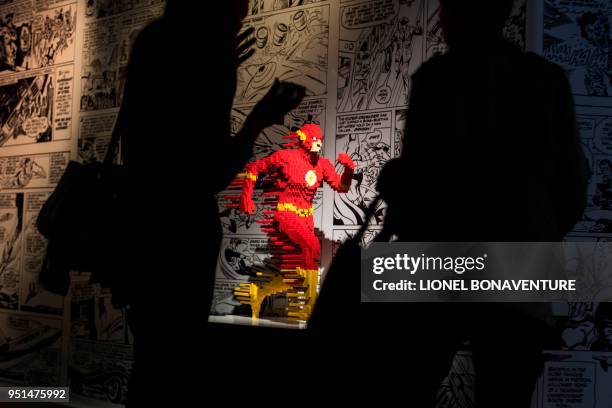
(280, 100)
(244, 42)
(388, 180)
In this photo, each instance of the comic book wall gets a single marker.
(576, 35)
(62, 72)
(355, 59)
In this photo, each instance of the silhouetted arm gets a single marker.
(570, 185)
(278, 101)
(399, 171)
(415, 120)
(130, 118)
(237, 151)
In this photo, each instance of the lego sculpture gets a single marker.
(294, 174)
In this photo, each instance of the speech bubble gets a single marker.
(35, 126)
(603, 137)
(369, 14)
(383, 94)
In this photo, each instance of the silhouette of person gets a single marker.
(178, 153)
(491, 153)
(603, 321)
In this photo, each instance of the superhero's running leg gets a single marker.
(304, 277)
(254, 295)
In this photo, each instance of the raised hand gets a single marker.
(280, 99)
(346, 161)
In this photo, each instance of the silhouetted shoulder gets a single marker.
(543, 63)
(147, 39)
(533, 65)
(544, 68)
(432, 67)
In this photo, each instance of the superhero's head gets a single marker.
(311, 137)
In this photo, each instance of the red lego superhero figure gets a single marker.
(296, 173)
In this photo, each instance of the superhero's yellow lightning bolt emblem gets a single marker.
(311, 178)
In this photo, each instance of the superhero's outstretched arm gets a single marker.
(341, 184)
(250, 175)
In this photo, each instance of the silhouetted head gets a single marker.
(311, 137)
(603, 320)
(228, 13)
(227, 20)
(469, 22)
(216, 33)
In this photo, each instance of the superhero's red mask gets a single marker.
(311, 137)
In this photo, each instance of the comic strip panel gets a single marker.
(32, 171)
(107, 8)
(100, 370)
(589, 259)
(574, 379)
(584, 326)
(34, 298)
(434, 40)
(94, 136)
(93, 317)
(264, 6)
(36, 109)
(106, 48)
(577, 36)
(596, 135)
(30, 349)
(366, 138)
(576, 325)
(291, 46)
(11, 243)
(380, 47)
(101, 355)
(23, 249)
(34, 39)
